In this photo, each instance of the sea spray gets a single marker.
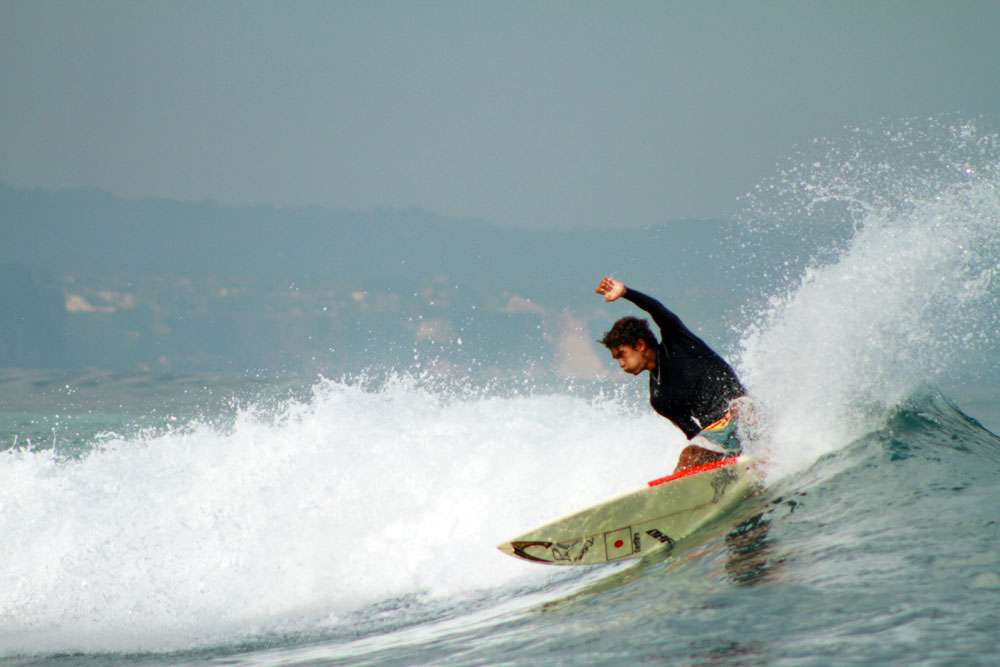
(289, 520)
(912, 296)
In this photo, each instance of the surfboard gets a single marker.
(632, 525)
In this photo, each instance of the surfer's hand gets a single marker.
(610, 288)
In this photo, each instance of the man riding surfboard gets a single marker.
(689, 383)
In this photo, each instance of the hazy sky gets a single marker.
(540, 113)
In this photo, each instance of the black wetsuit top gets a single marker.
(691, 384)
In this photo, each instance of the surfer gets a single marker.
(689, 383)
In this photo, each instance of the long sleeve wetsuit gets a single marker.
(691, 384)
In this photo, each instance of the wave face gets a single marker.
(359, 526)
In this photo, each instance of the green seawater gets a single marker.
(200, 491)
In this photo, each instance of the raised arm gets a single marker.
(613, 289)
(663, 316)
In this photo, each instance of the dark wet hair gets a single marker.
(629, 331)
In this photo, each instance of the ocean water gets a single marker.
(193, 520)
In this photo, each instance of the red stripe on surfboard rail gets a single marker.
(694, 470)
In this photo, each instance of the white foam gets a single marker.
(913, 296)
(204, 535)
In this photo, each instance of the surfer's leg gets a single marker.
(717, 441)
(693, 455)
(721, 436)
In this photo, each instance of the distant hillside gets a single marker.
(93, 280)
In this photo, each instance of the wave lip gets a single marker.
(913, 297)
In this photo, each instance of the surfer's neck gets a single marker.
(649, 356)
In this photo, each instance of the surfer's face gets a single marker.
(631, 359)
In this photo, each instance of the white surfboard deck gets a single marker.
(637, 523)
